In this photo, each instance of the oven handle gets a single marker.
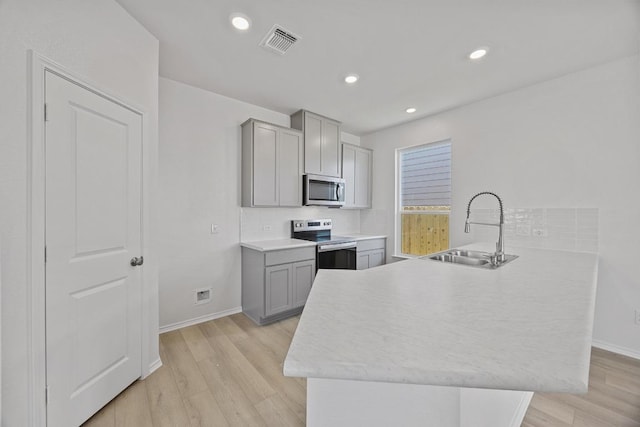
(336, 246)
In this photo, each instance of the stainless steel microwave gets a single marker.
(321, 190)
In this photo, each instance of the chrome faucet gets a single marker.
(499, 256)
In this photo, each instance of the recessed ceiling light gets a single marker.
(351, 78)
(240, 22)
(478, 53)
(410, 110)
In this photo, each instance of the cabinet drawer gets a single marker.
(367, 245)
(290, 255)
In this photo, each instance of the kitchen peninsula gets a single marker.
(420, 342)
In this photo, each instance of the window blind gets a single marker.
(425, 175)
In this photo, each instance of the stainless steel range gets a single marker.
(332, 252)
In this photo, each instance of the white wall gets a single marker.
(199, 169)
(200, 186)
(101, 42)
(567, 142)
(0, 335)
(273, 224)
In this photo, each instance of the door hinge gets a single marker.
(45, 254)
(46, 115)
(46, 395)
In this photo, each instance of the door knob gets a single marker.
(135, 261)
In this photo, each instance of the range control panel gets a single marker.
(310, 224)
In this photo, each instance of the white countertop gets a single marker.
(524, 326)
(360, 236)
(274, 245)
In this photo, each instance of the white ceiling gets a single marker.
(407, 52)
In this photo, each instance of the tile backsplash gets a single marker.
(275, 223)
(573, 229)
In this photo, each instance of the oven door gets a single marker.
(337, 256)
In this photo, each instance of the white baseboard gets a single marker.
(521, 411)
(154, 366)
(200, 319)
(616, 349)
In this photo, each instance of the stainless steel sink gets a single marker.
(469, 254)
(456, 259)
(478, 259)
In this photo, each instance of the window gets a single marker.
(424, 198)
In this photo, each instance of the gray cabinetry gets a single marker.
(369, 259)
(322, 154)
(371, 253)
(272, 160)
(278, 292)
(303, 274)
(276, 284)
(290, 166)
(356, 171)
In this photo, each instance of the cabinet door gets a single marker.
(362, 262)
(370, 259)
(330, 152)
(265, 165)
(278, 289)
(312, 143)
(376, 258)
(356, 171)
(303, 274)
(290, 161)
(349, 175)
(362, 178)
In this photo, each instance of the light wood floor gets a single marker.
(613, 398)
(228, 372)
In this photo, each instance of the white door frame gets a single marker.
(36, 337)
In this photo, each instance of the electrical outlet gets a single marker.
(539, 232)
(202, 296)
(266, 228)
(637, 316)
(215, 228)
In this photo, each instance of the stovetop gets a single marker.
(316, 230)
(325, 238)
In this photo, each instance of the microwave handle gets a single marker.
(338, 191)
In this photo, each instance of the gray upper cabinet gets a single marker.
(265, 165)
(356, 171)
(322, 154)
(272, 160)
(290, 167)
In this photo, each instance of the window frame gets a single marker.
(398, 211)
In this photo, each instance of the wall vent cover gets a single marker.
(279, 40)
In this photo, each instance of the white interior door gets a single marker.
(93, 229)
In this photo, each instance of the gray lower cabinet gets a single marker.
(303, 274)
(278, 289)
(276, 284)
(371, 253)
(369, 259)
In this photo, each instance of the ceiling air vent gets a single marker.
(279, 40)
